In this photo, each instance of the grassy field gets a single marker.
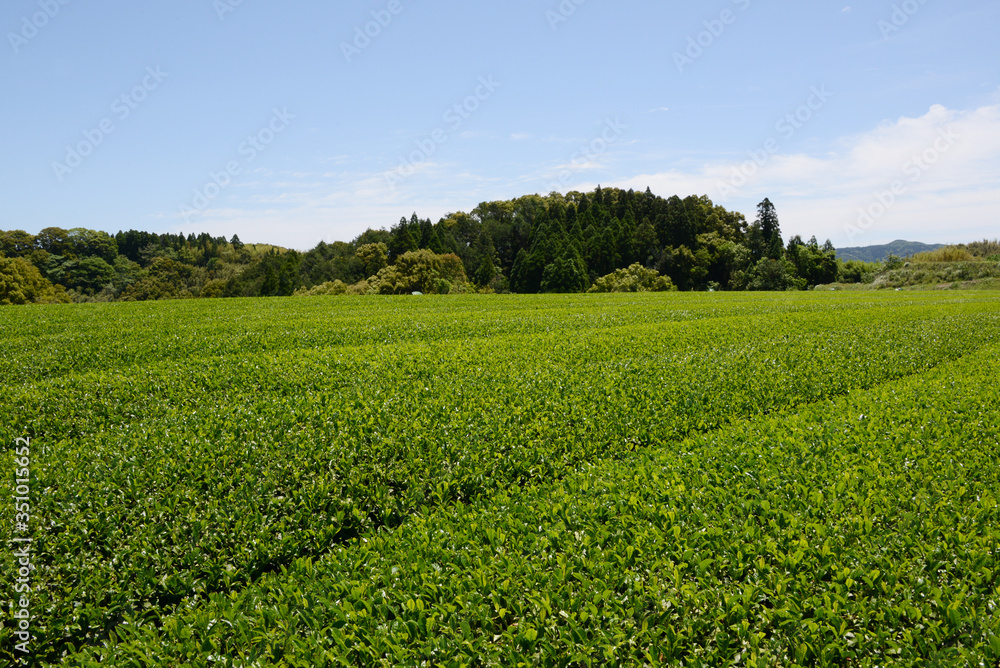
(687, 479)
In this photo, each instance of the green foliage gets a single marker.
(773, 275)
(633, 279)
(565, 275)
(165, 279)
(91, 243)
(273, 274)
(945, 254)
(812, 265)
(682, 266)
(985, 249)
(16, 243)
(935, 273)
(332, 262)
(337, 287)
(373, 257)
(419, 271)
(770, 230)
(22, 283)
(405, 237)
(538, 480)
(841, 534)
(855, 271)
(88, 275)
(56, 241)
(557, 243)
(892, 262)
(881, 252)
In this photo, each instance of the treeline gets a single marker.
(87, 265)
(974, 265)
(977, 251)
(555, 243)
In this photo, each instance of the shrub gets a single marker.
(635, 278)
(337, 287)
(418, 271)
(946, 254)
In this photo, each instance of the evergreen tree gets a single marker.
(770, 230)
(405, 237)
(429, 237)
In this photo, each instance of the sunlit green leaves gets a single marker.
(501, 481)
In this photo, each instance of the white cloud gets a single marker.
(952, 198)
(332, 206)
(944, 165)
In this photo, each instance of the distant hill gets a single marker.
(899, 248)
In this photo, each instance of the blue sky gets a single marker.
(312, 120)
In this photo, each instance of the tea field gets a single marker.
(667, 479)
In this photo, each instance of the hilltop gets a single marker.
(881, 253)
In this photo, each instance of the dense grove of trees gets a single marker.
(555, 243)
(985, 249)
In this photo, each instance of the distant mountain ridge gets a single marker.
(898, 248)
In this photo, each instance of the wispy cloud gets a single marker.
(823, 192)
(818, 192)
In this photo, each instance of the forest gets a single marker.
(605, 240)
